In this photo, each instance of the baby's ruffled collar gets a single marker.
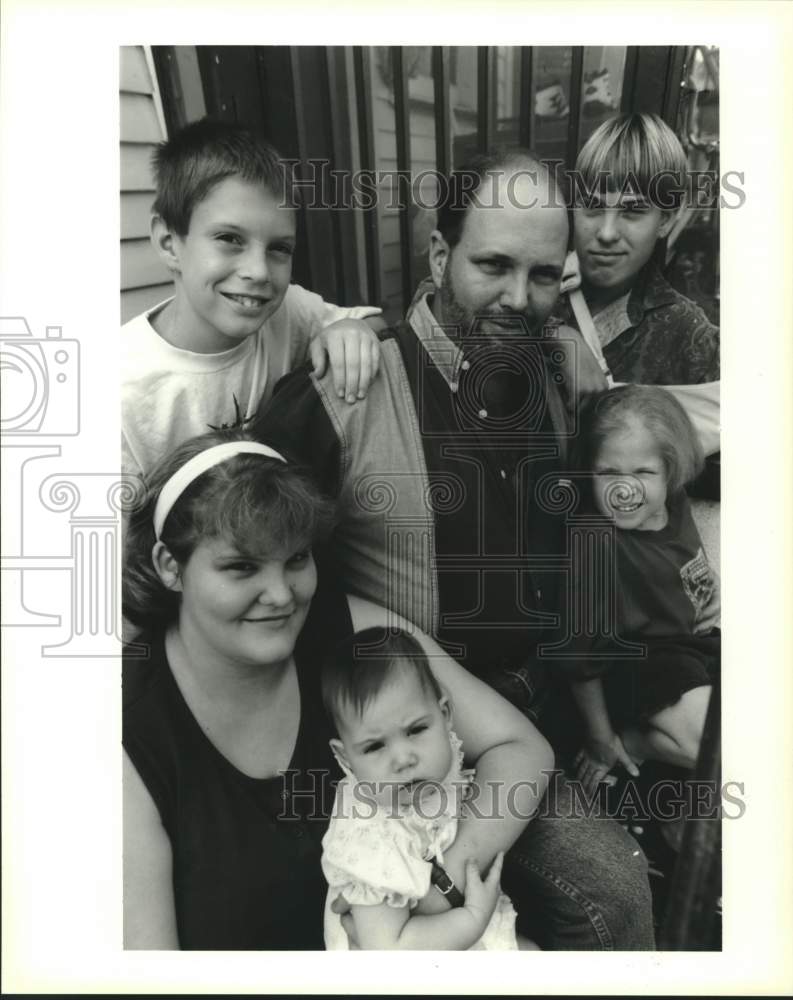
(433, 818)
(457, 773)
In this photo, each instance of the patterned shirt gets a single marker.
(656, 336)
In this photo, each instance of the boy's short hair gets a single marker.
(637, 149)
(361, 665)
(200, 156)
(662, 415)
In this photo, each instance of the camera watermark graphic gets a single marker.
(40, 405)
(41, 381)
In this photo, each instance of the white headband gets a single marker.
(197, 465)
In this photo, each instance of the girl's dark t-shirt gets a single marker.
(665, 579)
(246, 851)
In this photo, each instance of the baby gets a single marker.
(397, 807)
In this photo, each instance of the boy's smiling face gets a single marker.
(233, 267)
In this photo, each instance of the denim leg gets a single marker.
(577, 882)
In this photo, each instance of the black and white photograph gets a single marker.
(369, 544)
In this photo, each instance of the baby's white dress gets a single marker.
(380, 853)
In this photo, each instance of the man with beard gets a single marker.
(439, 477)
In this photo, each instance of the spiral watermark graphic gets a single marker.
(59, 494)
(127, 495)
(445, 493)
(556, 495)
(618, 495)
(375, 494)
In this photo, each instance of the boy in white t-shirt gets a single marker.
(224, 224)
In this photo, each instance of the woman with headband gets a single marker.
(227, 764)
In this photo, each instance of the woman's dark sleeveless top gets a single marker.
(246, 851)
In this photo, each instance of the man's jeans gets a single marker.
(577, 882)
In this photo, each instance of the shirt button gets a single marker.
(503, 474)
(483, 414)
(465, 365)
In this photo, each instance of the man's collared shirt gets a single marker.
(442, 475)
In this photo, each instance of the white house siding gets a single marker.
(144, 280)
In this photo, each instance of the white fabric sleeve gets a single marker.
(313, 313)
(371, 859)
(374, 863)
(130, 466)
(702, 403)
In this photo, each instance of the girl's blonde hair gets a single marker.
(662, 415)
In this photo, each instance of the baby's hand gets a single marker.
(354, 352)
(481, 896)
(343, 908)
